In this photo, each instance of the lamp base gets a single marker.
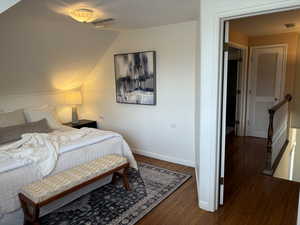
(74, 115)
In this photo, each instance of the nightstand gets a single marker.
(83, 123)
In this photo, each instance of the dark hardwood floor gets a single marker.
(251, 198)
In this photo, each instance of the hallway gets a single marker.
(245, 157)
(264, 199)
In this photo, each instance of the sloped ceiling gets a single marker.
(41, 50)
(134, 14)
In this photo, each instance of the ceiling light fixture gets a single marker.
(83, 15)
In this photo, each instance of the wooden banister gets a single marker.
(286, 99)
(269, 167)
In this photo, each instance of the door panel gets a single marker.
(266, 85)
(266, 75)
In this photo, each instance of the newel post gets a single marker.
(270, 140)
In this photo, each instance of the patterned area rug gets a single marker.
(113, 205)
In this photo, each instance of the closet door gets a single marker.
(266, 86)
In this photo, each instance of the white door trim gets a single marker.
(223, 131)
(243, 87)
(213, 13)
(282, 85)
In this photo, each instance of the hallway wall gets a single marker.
(296, 93)
(238, 37)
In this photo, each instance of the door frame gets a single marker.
(250, 77)
(242, 85)
(213, 14)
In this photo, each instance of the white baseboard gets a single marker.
(164, 157)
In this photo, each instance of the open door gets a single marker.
(223, 119)
(234, 120)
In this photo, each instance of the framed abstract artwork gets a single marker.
(135, 75)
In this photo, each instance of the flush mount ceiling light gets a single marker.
(83, 15)
(91, 16)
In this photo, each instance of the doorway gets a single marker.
(265, 88)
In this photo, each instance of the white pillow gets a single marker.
(45, 112)
(14, 118)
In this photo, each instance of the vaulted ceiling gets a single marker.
(43, 49)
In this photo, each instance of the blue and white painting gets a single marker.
(136, 78)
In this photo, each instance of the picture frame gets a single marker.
(135, 78)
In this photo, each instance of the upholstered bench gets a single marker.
(51, 188)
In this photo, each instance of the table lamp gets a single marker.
(74, 98)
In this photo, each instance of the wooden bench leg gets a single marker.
(114, 178)
(31, 211)
(125, 178)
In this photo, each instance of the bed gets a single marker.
(16, 173)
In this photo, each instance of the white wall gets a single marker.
(164, 131)
(13, 102)
(296, 95)
(209, 86)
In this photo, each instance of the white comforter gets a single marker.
(42, 151)
(33, 148)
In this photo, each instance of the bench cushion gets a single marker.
(50, 186)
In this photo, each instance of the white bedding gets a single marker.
(17, 173)
(42, 150)
(8, 163)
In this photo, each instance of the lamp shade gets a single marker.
(73, 98)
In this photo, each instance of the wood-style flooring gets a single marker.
(251, 198)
